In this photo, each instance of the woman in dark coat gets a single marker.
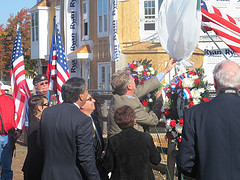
(33, 164)
(130, 153)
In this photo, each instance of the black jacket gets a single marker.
(128, 155)
(210, 147)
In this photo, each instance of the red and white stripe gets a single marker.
(62, 77)
(20, 91)
(223, 25)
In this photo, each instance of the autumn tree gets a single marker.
(23, 19)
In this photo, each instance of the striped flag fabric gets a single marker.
(57, 70)
(224, 26)
(20, 90)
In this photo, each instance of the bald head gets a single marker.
(226, 74)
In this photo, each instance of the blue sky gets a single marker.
(8, 7)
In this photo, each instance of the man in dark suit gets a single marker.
(210, 147)
(88, 109)
(67, 136)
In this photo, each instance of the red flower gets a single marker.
(169, 137)
(131, 66)
(173, 123)
(206, 99)
(144, 73)
(166, 112)
(145, 103)
(197, 81)
(192, 73)
(169, 94)
(144, 66)
(191, 104)
(179, 139)
(181, 121)
(142, 81)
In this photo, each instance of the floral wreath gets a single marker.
(141, 71)
(186, 89)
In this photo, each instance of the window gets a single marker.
(34, 27)
(85, 21)
(149, 15)
(104, 76)
(102, 17)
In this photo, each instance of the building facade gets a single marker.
(91, 28)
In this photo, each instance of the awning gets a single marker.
(83, 52)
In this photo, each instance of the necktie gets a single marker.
(98, 143)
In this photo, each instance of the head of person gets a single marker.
(89, 106)
(125, 117)
(123, 83)
(226, 74)
(37, 103)
(41, 85)
(74, 90)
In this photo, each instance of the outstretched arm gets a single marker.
(170, 65)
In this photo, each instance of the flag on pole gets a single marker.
(222, 24)
(57, 70)
(20, 90)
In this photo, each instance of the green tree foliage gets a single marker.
(23, 19)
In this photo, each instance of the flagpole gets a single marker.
(214, 42)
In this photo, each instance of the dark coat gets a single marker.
(67, 137)
(210, 147)
(33, 164)
(128, 155)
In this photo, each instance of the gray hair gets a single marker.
(120, 80)
(226, 76)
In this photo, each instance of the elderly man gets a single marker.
(41, 87)
(126, 93)
(67, 136)
(210, 141)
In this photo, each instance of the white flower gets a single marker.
(196, 94)
(195, 77)
(196, 101)
(178, 128)
(188, 82)
(148, 73)
(152, 71)
(140, 68)
(201, 90)
(168, 124)
(150, 100)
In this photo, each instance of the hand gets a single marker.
(170, 65)
(159, 93)
(17, 134)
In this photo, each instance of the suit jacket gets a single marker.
(143, 118)
(128, 155)
(67, 137)
(210, 147)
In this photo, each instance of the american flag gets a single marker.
(57, 70)
(222, 24)
(20, 90)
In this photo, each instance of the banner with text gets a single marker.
(114, 41)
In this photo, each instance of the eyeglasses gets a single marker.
(90, 99)
(46, 104)
(42, 83)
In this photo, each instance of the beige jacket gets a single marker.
(143, 118)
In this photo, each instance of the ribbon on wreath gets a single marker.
(185, 93)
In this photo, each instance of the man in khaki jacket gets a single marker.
(126, 93)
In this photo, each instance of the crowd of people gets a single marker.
(65, 140)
